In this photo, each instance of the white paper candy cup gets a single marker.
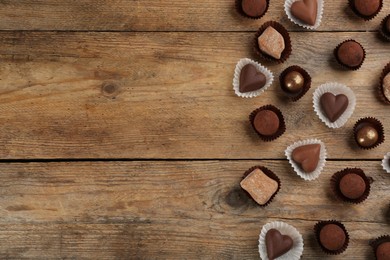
(236, 80)
(321, 162)
(285, 229)
(385, 163)
(335, 89)
(320, 9)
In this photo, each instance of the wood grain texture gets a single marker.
(154, 210)
(166, 95)
(160, 15)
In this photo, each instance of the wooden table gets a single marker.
(121, 136)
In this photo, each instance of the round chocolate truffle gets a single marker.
(352, 186)
(367, 7)
(367, 136)
(383, 251)
(254, 8)
(350, 54)
(332, 237)
(293, 82)
(266, 122)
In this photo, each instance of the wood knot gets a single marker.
(237, 198)
(110, 89)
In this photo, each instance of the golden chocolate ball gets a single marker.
(367, 136)
(293, 81)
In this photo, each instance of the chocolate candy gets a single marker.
(251, 79)
(307, 156)
(266, 122)
(305, 10)
(259, 186)
(332, 237)
(271, 42)
(383, 251)
(277, 244)
(367, 7)
(352, 186)
(350, 54)
(367, 136)
(333, 106)
(254, 8)
(293, 82)
(386, 86)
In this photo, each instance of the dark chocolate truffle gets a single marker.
(293, 82)
(307, 156)
(332, 237)
(367, 7)
(266, 122)
(350, 54)
(352, 186)
(254, 8)
(383, 251)
(251, 79)
(367, 136)
(277, 244)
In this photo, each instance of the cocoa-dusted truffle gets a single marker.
(268, 122)
(254, 8)
(352, 186)
(331, 236)
(367, 7)
(350, 54)
(383, 251)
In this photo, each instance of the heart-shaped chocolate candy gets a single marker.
(305, 10)
(333, 106)
(277, 244)
(251, 79)
(307, 156)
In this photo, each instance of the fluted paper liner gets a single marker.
(381, 90)
(317, 230)
(306, 85)
(375, 123)
(287, 42)
(382, 30)
(321, 162)
(285, 229)
(344, 65)
(386, 163)
(336, 178)
(282, 124)
(378, 241)
(271, 175)
(336, 89)
(236, 80)
(292, 18)
(241, 12)
(365, 17)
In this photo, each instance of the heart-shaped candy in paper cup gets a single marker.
(334, 104)
(307, 158)
(305, 13)
(279, 236)
(251, 78)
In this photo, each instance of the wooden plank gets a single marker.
(191, 239)
(171, 210)
(108, 192)
(165, 95)
(160, 15)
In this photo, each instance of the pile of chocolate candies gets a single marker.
(333, 102)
